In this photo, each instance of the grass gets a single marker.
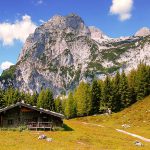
(80, 136)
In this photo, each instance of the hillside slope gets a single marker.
(136, 117)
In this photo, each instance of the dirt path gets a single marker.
(134, 135)
(98, 125)
(122, 131)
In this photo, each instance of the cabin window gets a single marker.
(10, 122)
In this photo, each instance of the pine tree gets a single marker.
(16, 96)
(27, 98)
(34, 98)
(95, 96)
(142, 87)
(41, 99)
(46, 100)
(70, 108)
(107, 95)
(132, 85)
(2, 103)
(9, 96)
(83, 99)
(58, 105)
(116, 102)
(50, 100)
(124, 90)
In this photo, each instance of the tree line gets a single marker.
(115, 93)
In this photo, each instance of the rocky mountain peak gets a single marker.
(143, 32)
(97, 34)
(68, 23)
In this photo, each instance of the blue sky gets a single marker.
(114, 17)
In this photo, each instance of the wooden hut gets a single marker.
(34, 118)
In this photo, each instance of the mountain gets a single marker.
(64, 51)
(97, 34)
(143, 32)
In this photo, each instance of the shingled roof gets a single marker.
(46, 111)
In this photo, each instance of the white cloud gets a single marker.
(122, 8)
(19, 30)
(5, 65)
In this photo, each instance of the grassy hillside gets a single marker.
(137, 116)
(87, 132)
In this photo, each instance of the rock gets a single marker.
(41, 137)
(49, 139)
(137, 143)
(125, 126)
(97, 34)
(143, 32)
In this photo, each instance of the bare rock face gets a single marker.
(143, 32)
(97, 34)
(64, 51)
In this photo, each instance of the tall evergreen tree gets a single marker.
(124, 90)
(116, 102)
(9, 96)
(107, 95)
(46, 100)
(58, 105)
(34, 98)
(96, 96)
(2, 103)
(83, 99)
(132, 86)
(41, 99)
(142, 88)
(70, 108)
(50, 99)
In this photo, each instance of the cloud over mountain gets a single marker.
(5, 65)
(19, 30)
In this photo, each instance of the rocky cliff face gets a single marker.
(143, 32)
(64, 51)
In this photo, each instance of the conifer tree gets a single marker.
(132, 86)
(2, 103)
(9, 96)
(83, 99)
(107, 95)
(70, 108)
(95, 96)
(124, 90)
(142, 87)
(58, 105)
(41, 99)
(46, 100)
(50, 99)
(116, 102)
(34, 98)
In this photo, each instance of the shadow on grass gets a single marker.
(67, 128)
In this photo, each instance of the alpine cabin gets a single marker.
(34, 118)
